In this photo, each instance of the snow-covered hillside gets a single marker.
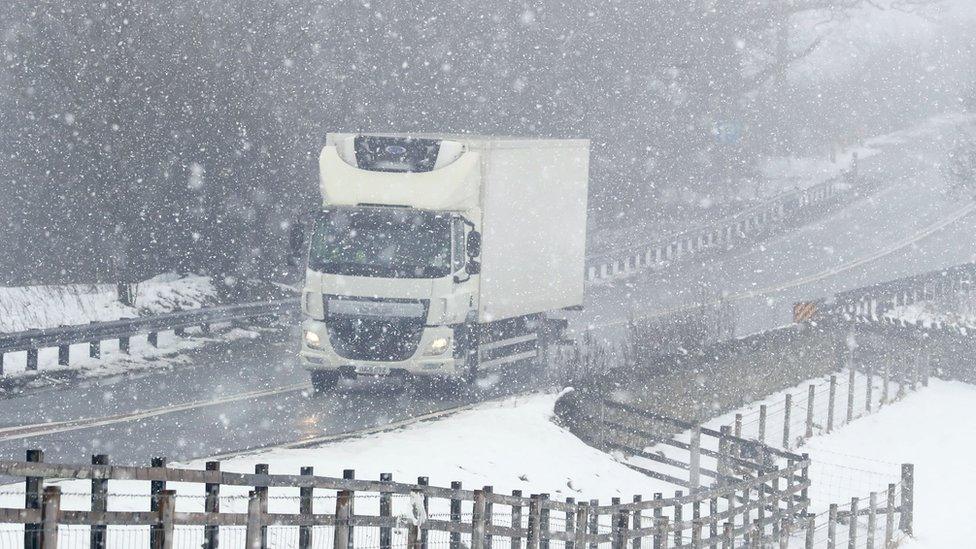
(27, 307)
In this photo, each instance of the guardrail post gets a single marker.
(907, 498)
(124, 344)
(889, 516)
(455, 511)
(50, 515)
(167, 507)
(255, 520)
(33, 487)
(762, 424)
(1, 364)
(99, 503)
(211, 532)
(306, 502)
(872, 519)
(831, 399)
(64, 355)
(811, 392)
(386, 511)
(156, 488)
(153, 338)
(852, 526)
(32, 360)
(787, 408)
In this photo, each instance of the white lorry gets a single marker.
(441, 255)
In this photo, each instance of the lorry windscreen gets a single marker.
(381, 242)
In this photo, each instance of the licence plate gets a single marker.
(373, 370)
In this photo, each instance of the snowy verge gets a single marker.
(29, 307)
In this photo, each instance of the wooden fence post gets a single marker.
(99, 503)
(696, 534)
(455, 511)
(662, 533)
(885, 380)
(306, 507)
(343, 514)
(907, 498)
(762, 424)
(350, 474)
(255, 522)
(727, 539)
(211, 532)
(926, 368)
(811, 392)
(868, 387)
(713, 522)
(570, 521)
(694, 466)
(532, 541)
(738, 425)
(262, 493)
(723, 453)
(50, 515)
(415, 531)
(33, 487)
(543, 521)
(832, 527)
(678, 541)
(850, 394)
(787, 405)
(424, 534)
(582, 520)
(594, 525)
(790, 481)
(636, 523)
(783, 533)
(516, 520)
(167, 507)
(889, 534)
(811, 531)
(805, 479)
(872, 519)
(852, 526)
(831, 398)
(386, 511)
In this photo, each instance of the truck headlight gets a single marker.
(312, 339)
(439, 346)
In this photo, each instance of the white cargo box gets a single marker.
(533, 194)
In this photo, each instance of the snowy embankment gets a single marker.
(28, 307)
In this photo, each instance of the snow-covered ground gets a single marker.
(27, 307)
(513, 444)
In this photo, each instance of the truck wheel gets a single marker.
(324, 381)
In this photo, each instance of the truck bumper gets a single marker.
(322, 357)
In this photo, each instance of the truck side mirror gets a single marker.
(296, 242)
(474, 244)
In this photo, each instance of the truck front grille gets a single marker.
(372, 337)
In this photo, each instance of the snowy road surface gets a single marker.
(232, 396)
(907, 228)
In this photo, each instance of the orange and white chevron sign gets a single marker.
(804, 311)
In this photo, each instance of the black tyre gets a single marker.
(324, 381)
